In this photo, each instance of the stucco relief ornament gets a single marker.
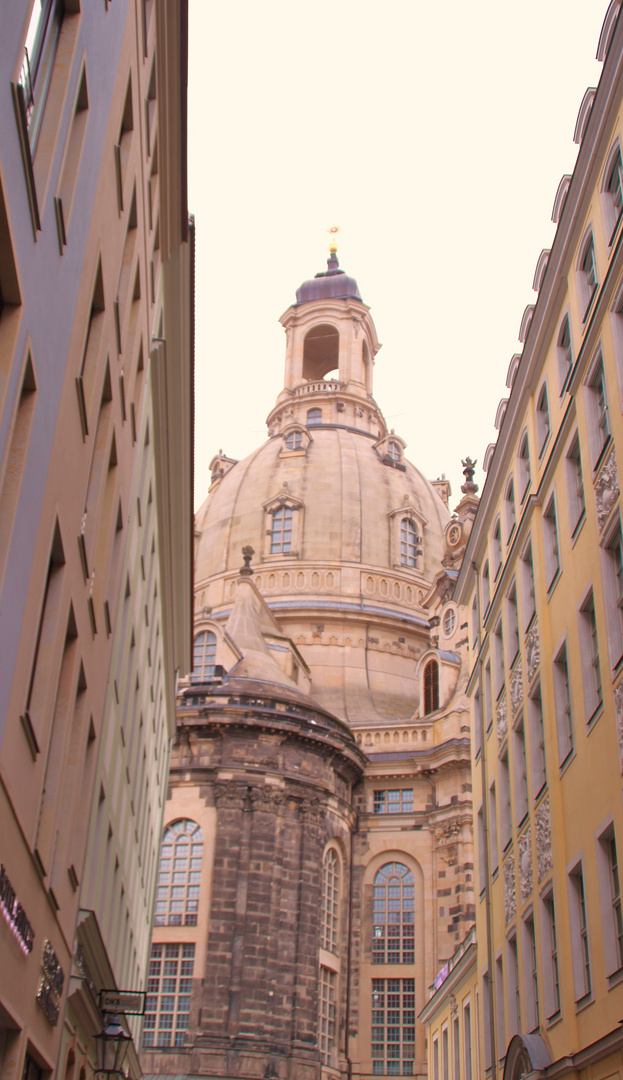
(543, 833)
(510, 898)
(533, 651)
(502, 718)
(447, 837)
(525, 866)
(618, 711)
(606, 489)
(516, 689)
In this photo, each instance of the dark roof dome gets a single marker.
(329, 284)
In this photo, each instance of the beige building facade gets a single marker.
(542, 581)
(96, 364)
(319, 809)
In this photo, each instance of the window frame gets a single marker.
(587, 276)
(610, 898)
(523, 467)
(576, 494)
(612, 201)
(404, 990)
(386, 946)
(542, 418)
(564, 352)
(579, 932)
(589, 652)
(161, 954)
(563, 704)
(551, 543)
(597, 410)
(611, 554)
(185, 894)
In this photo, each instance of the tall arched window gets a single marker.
(408, 542)
(431, 687)
(393, 915)
(314, 416)
(281, 532)
(179, 874)
(204, 656)
(330, 900)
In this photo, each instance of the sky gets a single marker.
(435, 135)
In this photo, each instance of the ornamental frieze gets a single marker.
(265, 798)
(543, 832)
(606, 489)
(502, 718)
(510, 897)
(230, 796)
(447, 837)
(618, 712)
(516, 689)
(524, 859)
(533, 651)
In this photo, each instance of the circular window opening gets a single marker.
(449, 622)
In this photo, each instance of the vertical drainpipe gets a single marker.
(485, 818)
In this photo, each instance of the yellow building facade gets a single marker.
(542, 580)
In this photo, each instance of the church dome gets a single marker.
(331, 283)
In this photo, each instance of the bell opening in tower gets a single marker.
(321, 352)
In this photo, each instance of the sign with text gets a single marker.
(122, 1001)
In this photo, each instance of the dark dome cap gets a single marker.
(329, 284)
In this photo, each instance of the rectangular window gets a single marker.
(579, 934)
(498, 659)
(523, 466)
(610, 900)
(509, 510)
(589, 648)
(505, 798)
(550, 543)
(537, 742)
(528, 595)
(564, 353)
(531, 979)
(474, 621)
(169, 986)
(496, 549)
(488, 698)
(564, 715)
(393, 1027)
(513, 991)
(482, 861)
(486, 1021)
(520, 772)
(612, 562)
(512, 622)
(467, 1042)
(597, 411)
(549, 952)
(40, 48)
(326, 1018)
(281, 532)
(394, 802)
(493, 830)
(575, 486)
(435, 1059)
(500, 1033)
(542, 419)
(477, 722)
(444, 1054)
(588, 281)
(456, 1050)
(485, 587)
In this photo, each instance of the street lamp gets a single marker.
(112, 1046)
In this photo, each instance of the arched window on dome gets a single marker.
(431, 687)
(204, 656)
(179, 874)
(329, 915)
(281, 532)
(294, 440)
(314, 416)
(408, 541)
(393, 925)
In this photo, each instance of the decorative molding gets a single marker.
(533, 651)
(525, 865)
(510, 896)
(543, 838)
(502, 718)
(606, 489)
(516, 688)
(229, 796)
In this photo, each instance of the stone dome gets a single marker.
(331, 283)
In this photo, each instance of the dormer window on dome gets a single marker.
(391, 451)
(296, 439)
(406, 536)
(284, 525)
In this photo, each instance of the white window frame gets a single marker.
(551, 544)
(590, 659)
(610, 899)
(564, 352)
(612, 192)
(611, 553)
(513, 986)
(537, 741)
(506, 828)
(523, 466)
(510, 510)
(520, 771)
(549, 953)
(485, 585)
(587, 276)
(564, 704)
(493, 830)
(496, 548)
(543, 422)
(512, 622)
(530, 971)
(576, 495)
(597, 412)
(579, 933)
(528, 590)
(271, 507)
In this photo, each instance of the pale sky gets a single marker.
(435, 136)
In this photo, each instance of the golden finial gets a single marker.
(333, 231)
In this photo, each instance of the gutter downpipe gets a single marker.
(485, 818)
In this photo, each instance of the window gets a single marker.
(520, 772)
(474, 622)
(551, 971)
(500, 1033)
(610, 897)
(204, 656)
(613, 190)
(435, 1059)
(281, 532)
(467, 1042)
(488, 698)
(510, 517)
(575, 485)
(493, 830)
(579, 934)
(394, 802)
(179, 875)
(597, 409)
(537, 742)
(482, 852)
(564, 353)
(449, 622)
(393, 915)
(393, 451)
(531, 979)
(612, 561)
(314, 416)
(329, 916)
(587, 276)
(528, 595)
(505, 799)
(294, 440)
(550, 542)
(169, 985)
(512, 624)
(589, 650)
(496, 549)
(456, 1050)
(498, 659)
(444, 1053)
(486, 587)
(477, 722)
(408, 543)
(326, 1018)
(523, 467)
(513, 992)
(564, 716)
(393, 1027)
(431, 687)
(39, 53)
(542, 419)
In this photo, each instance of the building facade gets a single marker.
(96, 365)
(543, 584)
(316, 867)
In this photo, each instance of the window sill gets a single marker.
(553, 583)
(584, 1002)
(555, 1018)
(577, 528)
(544, 445)
(594, 717)
(601, 457)
(589, 306)
(615, 978)
(541, 791)
(564, 765)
